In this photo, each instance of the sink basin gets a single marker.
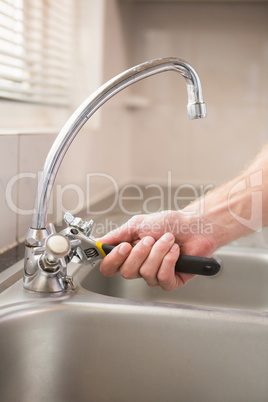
(96, 344)
(242, 283)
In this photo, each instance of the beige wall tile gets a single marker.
(8, 190)
(33, 150)
(227, 45)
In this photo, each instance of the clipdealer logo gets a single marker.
(131, 199)
(251, 185)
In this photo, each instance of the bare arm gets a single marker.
(238, 207)
(230, 211)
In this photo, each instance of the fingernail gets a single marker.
(174, 248)
(168, 237)
(148, 241)
(124, 248)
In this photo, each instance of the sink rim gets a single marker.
(119, 288)
(14, 296)
(20, 301)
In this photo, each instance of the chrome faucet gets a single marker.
(47, 252)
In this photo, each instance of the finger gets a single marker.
(151, 265)
(166, 275)
(130, 268)
(127, 232)
(168, 279)
(111, 263)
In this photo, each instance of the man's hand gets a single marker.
(150, 245)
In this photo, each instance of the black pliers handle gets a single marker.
(190, 264)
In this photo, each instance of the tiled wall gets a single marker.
(100, 149)
(227, 43)
(143, 134)
(8, 168)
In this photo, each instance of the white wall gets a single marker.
(227, 43)
(27, 132)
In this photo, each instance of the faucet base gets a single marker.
(44, 272)
(45, 283)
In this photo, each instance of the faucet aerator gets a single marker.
(196, 110)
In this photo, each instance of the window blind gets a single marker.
(36, 50)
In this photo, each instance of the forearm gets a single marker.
(237, 208)
(231, 211)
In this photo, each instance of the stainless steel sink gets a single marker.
(242, 284)
(98, 345)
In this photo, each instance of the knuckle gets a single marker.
(163, 277)
(135, 220)
(146, 274)
(152, 285)
(169, 289)
(105, 272)
(170, 258)
(126, 274)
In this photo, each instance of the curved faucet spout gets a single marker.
(196, 109)
(48, 253)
